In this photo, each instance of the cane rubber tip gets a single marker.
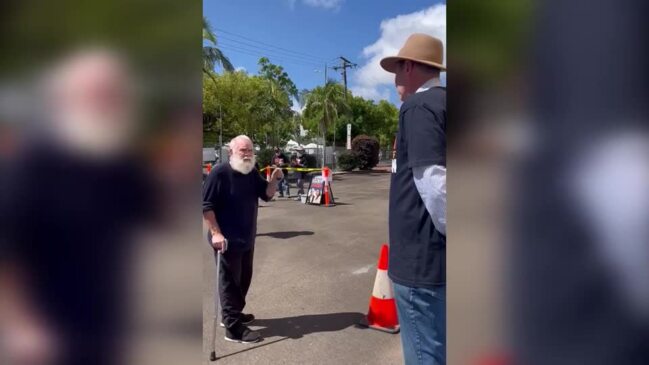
(213, 356)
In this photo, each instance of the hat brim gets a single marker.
(390, 63)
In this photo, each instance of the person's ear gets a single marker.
(409, 66)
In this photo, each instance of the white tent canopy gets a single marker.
(291, 144)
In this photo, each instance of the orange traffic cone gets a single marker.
(327, 193)
(382, 314)
(267, 173)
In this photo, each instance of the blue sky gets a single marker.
(301, 35)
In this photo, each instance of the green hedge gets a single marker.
(347, 161)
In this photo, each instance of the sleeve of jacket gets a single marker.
(211, 191)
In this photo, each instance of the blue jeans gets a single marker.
(283, 184)
(422, 316)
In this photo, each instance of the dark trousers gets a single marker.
(234, 281)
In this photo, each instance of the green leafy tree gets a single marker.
(367, 117)
(279, 93)
(277, 75)
(212, 55)
(239, 100)
(257, 105)
(323, 106)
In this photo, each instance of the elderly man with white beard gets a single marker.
(230, 202)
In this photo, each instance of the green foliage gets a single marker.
(248, 104)
(158, 38)
(212, 55)
(367, 150)
(347, 161)
(324, 104)
(260, 106)
(495, 33)
(370, 118)
(277, 75)
(264, 157)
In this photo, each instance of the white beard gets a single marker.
(241, 165)
(94, 135)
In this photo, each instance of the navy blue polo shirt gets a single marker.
(233, 197)
(417, 249)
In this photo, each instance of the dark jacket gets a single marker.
(417, 249)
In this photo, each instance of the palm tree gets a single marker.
(212, 56)
(324, 104)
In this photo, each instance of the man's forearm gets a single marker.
(212, 224)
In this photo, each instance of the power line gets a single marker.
(268, 52)
(268, 49)
(260, 54)
(270, 45)
(265, 54)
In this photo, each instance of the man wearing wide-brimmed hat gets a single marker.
(418, 200)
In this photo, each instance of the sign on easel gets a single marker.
(316, 192)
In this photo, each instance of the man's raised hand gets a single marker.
(277, 175)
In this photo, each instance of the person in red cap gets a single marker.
(417, 221)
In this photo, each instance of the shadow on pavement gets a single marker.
(287, 234)
(262, 344)
(296, 327)
(299, 326)
(342, 204)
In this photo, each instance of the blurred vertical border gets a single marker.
(161, 42)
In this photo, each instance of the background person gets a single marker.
(280, 160)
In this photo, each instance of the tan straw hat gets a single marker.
(420, 48)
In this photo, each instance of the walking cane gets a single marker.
(216, 301)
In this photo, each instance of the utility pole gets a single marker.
(344, 65)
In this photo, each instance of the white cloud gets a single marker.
(371, 81)
(241, 68)
(325, 4)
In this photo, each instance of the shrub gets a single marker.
(347, 161)
(367, 151)
(264, 157)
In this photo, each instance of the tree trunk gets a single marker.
(324, 147)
